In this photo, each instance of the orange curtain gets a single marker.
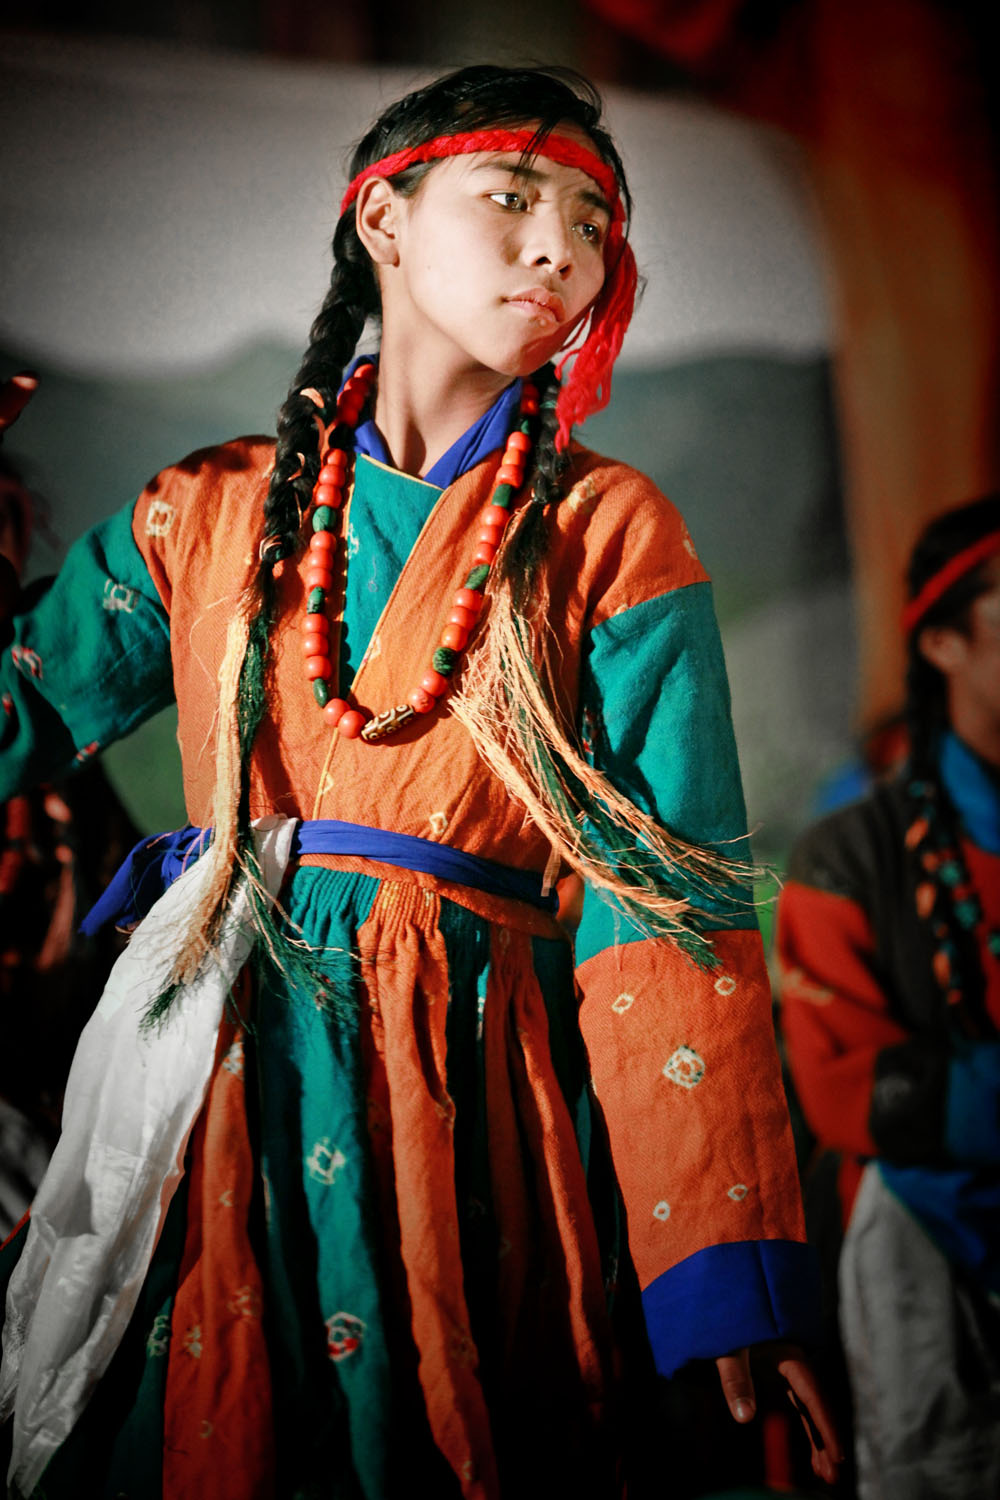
(889, 100)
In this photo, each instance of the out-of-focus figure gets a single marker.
(889, 944)
(59, 844)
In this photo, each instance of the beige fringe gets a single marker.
(508, 677)
(226, 799)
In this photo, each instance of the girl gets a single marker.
(366, 1179)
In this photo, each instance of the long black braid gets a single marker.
(947, 901)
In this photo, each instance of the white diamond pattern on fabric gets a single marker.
(132, 1098)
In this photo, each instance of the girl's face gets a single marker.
(493, 263)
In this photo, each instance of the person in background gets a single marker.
(60, 843)
(888, 940)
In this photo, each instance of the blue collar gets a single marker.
(974, 790)
(485, 436)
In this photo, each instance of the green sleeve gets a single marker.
(656, 720)
(89, 659)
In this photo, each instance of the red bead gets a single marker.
(336, 459)
(318, 578)
(510, 474)
(434, 683)
(328, 494)
(318, 666)
(421, 700)
(323, 542)
(315, 625)
(490, 534)
(351, 723)
(494, 515)
(469, 599)
(454, 636)
(464, 617)
(315, 645)
(335, 711)
(530, 390)
(349, 410)
(519, 440)
(484, 553)
(529, 406)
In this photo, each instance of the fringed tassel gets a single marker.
(666, 886)
(223, 852)
(231, 854)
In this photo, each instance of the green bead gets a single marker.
(526, 426)
(478, 576)
(967, 913)
(322, 516)
(950, 872)
(993, 943)
(503, 495)
(444, 660)
(321, 691)
(316, 598)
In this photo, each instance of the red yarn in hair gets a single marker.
(588, 387)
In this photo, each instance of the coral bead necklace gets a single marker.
(318, 570)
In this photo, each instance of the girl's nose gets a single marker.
(550, 245)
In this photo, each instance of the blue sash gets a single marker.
(156, 862)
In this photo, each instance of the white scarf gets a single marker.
(132, 1099)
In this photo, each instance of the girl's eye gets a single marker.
(516, 202)
(592, 233)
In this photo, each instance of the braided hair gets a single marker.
(946, 899)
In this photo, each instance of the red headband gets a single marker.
(588, 386)
(939, 584)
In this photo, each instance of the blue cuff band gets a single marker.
(729, 1296)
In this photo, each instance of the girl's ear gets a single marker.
(378, 212)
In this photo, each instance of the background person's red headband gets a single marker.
(940, 582)
(588, 386)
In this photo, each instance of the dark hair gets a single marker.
(950, 906)
(944, 538)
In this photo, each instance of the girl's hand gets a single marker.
(15, 394)
(803, 1392)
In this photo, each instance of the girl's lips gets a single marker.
(545, 306)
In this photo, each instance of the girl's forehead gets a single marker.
(535, 168)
